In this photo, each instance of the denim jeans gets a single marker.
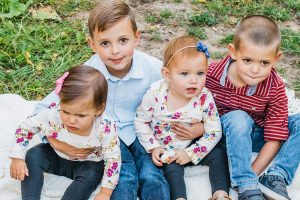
(86, 175)
(139, 172)
(218, 173)
(243, 136)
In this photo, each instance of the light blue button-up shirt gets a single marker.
(124, 95)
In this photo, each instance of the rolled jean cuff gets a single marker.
(248, 184)
(275, 171)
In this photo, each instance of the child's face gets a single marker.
(186, 76)
(78, 116)
(253, 63)
(115, 46)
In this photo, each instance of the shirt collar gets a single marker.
(135, 72)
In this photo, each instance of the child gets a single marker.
(251, 100)
(182, 98)
(78, 120)
(113, 37)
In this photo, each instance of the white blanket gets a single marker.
(14, 109)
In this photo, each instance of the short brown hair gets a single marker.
(178, 43)
(259, 29)
(82, 82)
(107, 13)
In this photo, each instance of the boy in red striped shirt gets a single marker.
(253, 105)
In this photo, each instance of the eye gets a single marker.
(183, 73)
(80, 115)
(104, 44)
(265, 63)
(247, 61)
(123, 40)
(200, 73)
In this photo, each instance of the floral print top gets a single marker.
(153, 122)
(103, 137)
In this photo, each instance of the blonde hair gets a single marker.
(180, 46)
(258, 29)
(107, 13)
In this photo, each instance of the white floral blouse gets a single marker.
(153, 122)
(103, 137)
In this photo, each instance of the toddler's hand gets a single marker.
(18, 169)
(156, 152)
(70, 150)
(183, 132)
(104, 194)
(180, 157)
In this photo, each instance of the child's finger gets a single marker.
(172, 159)
(26, 172)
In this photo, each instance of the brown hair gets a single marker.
(178, 43)
(82, 82)
(107, 13)
(259, 29)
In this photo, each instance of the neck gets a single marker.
(176, 101)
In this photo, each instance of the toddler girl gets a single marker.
(182, 98)
(79, 121)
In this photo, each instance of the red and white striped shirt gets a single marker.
(268, 106)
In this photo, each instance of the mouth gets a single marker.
(72, 128)
(117, 60)
(191, 90)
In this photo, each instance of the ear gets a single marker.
(278, 55)
(232, 51)
(100, 109)
(91, 43)
(165, 73)
(137, 37)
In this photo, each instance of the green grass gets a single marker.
(34, 53)
(275, 9)
(197, 32)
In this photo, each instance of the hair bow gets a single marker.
(203, 48)
(59, 82)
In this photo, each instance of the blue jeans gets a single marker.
(243, 136)
(86, 175)
(139, 172)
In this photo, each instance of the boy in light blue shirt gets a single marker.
(129, 72)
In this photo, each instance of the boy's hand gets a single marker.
(180, 157)
(183, 132)
(156, 152)
(104, 194)
(18, 169)
(69, 150)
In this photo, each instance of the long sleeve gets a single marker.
(212, 128)
(111, 155)
(49, 101)
(26, 130)
(143, 120)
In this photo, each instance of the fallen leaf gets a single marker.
(43, 13)
(27, 56)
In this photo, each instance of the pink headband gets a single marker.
(59, 82)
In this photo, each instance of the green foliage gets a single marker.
(13, 8)
(166, 14)
(197, 32)
(227, 39)
(151, 18)
(205, 18)
(290, 41)
(278, 11)
(34, 54)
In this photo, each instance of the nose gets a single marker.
(72, 119)
(255, 68)
(115, 49)
(193, 78)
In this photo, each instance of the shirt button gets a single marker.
(253, 108)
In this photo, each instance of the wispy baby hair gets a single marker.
(84, 82)
(184, 46)
(259, 29)
(107, 13)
